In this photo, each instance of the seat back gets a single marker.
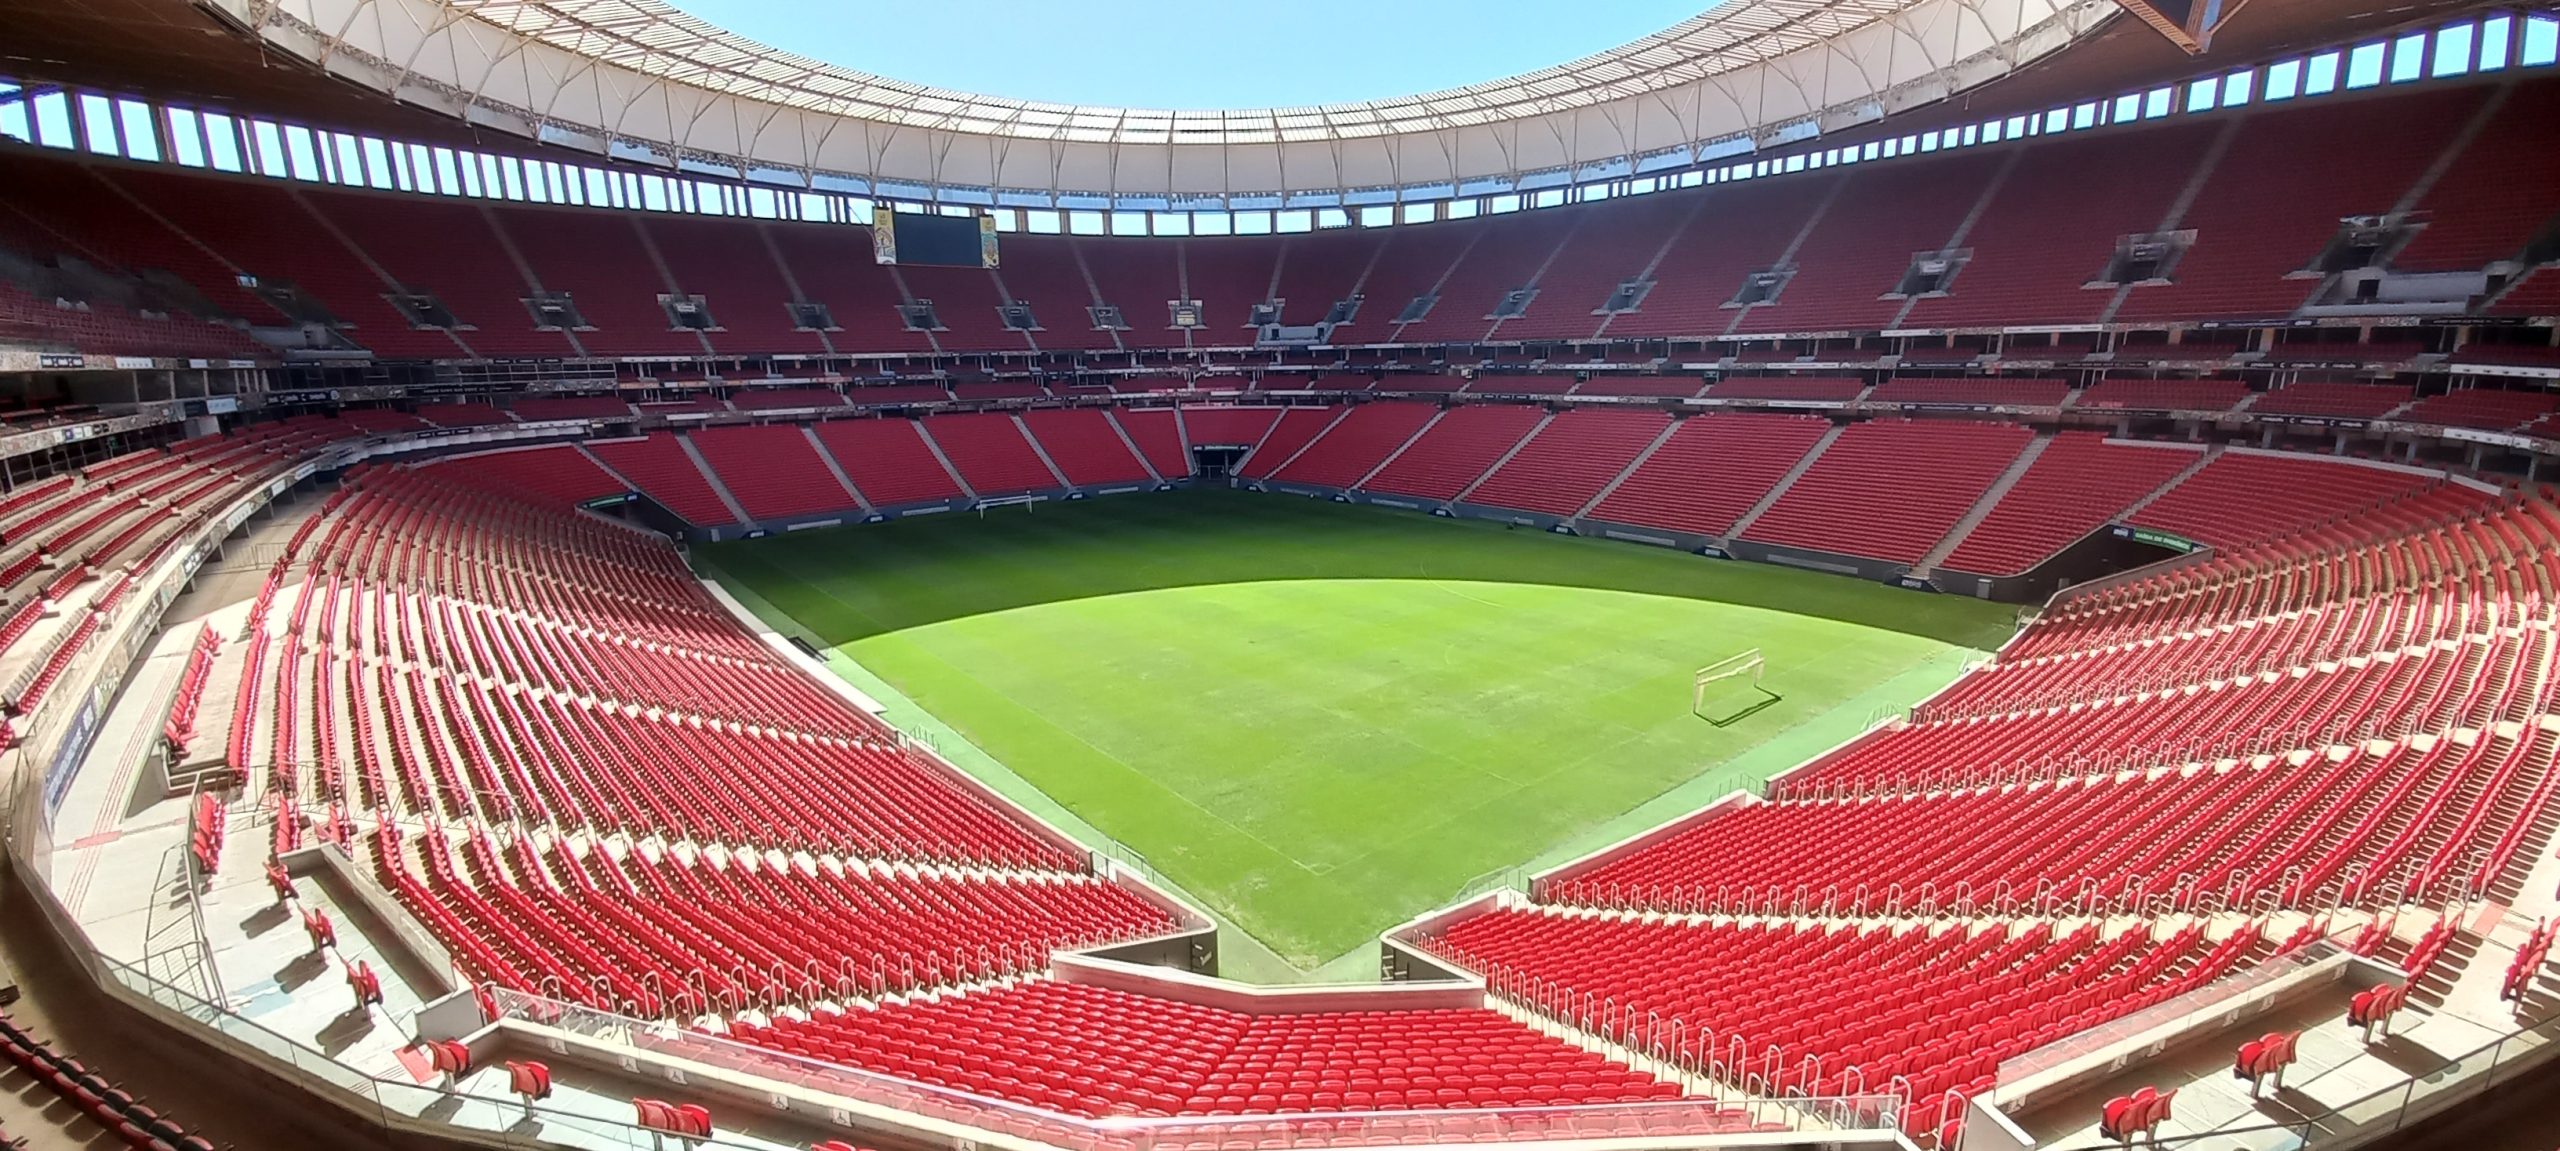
(529, 1079)
(2245, 1064)
(449, 1056)
(2112, 1115)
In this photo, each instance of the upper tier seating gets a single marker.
(967, 303)
(1354, 447)
(990, 453)
(1506, 254)
(1565, 464)
(1228, 275)
(1457, 450)
(888, 461)
(1317, 269)
(2039, 230)
(2052, 227)
(596, 258)
(773, 470)
(2248, 241)
(2501, 191)
(1863, 242)
(92, 214)
(1890, 489)
(1096, 1051)
(1140, 277)
(1085, 444)
(658, 466)
(2078, 485)
(1711, 470)
(448, 251)
(275, 239)
(729, 266)
(1608, 246)
(1043, 271)
(2538, 294)
(834, 266)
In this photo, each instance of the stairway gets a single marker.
(718, 487)
(1401, 448)
(833, 468)
(1112, 417)
(1041, 451)
(2203, 458)
(947, 466)
(1611, 488)
(1505, 458)
(1981, 508)
(1312, 441)
(1786, 481)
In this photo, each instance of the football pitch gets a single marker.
(1320, 719)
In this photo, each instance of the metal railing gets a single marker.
(2424, 1090)
(388, 1101)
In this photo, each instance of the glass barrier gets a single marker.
(2211, 999)
(2426, 1089)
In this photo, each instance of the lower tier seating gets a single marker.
(1286, 438)
(2422, 819)
(658, 466)
(1838, 1010)
(888, 461)
(2077, 486)
(2246, 498)
(2470, 684)
(1890, 489)
(1457, 450)
(1711, 470)
(1096, 1051)
(990, 453)
(1565, 464)
(1349, 450)
(663, 934)
(772, 469)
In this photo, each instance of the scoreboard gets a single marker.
(933, 239)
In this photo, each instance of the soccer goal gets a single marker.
(1730, 689)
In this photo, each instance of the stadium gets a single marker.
(1966, 574)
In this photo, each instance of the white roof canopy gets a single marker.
(633, 75)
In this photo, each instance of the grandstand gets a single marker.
(519, 623)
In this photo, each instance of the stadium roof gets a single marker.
(637, 77)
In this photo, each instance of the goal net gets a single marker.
(1730, 689)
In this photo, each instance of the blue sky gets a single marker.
(1196, 54)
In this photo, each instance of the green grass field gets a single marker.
(1320, 719)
